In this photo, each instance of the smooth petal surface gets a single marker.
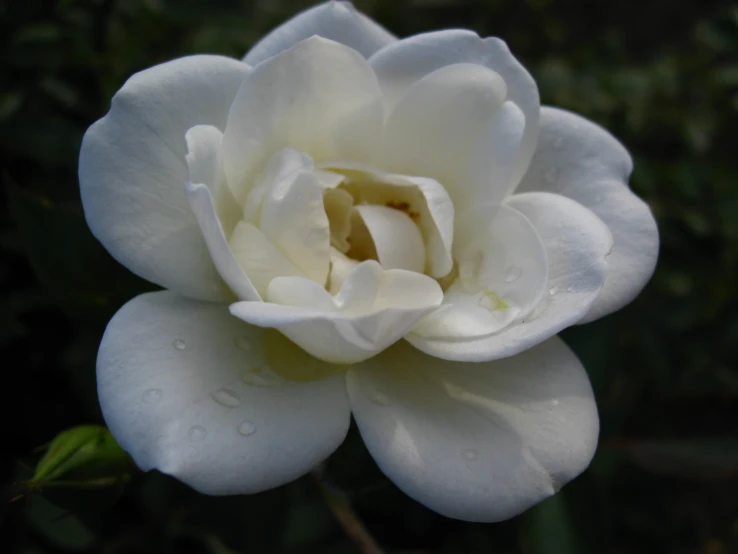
(455, 126)
(294, 220)
(184, 389)
(319, 97)
(503, 275)
(132, 171)
(373, 309)
(581, 160)
(478, 442)
(396, 238)
(205, 166)
(577, 243)
(403, 63)
(259, 259)
(337, 21)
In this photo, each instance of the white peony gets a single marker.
(346, 190)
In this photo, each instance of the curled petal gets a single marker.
(403, 63)
(581, 160)
(577, 243)
(373, 309)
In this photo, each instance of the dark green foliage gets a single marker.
(661, 75)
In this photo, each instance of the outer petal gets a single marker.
(400, 65)
(581, 160)
(577, 244)
(478, 442)
(184, 389)
(319, 97)
(337, 21)
(132, 171)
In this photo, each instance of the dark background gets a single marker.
(662, 75)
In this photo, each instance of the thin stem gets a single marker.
(339, 504)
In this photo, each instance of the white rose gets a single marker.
(350, 190)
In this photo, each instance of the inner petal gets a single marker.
(502, 276)
(425, 201)
(395, 237)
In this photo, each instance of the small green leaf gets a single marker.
(84, 456)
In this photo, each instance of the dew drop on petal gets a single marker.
(152, 395)
(243, 343)
(555, 402)
(553, 290)
(246, 428)
(196, 433)
(258, 377)
(513, 273)
(378, 397)
(570, 288)
(179, 344)
(227, 398)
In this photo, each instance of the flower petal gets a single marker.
(203, 206)
(396, 238)
(205, 166)
(337, 21)
(294, 220)
(502, 276)
(373, 309)
(577, 244)
(581, 160)
(184, 389)
(477, 442)
(318, 97)
(259, 259)
(132, 171)
(401, 64)
(455, 126)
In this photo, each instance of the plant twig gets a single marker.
(339, 504)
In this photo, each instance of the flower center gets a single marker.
(374, 216)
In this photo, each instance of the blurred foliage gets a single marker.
(661, 75)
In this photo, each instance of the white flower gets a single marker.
(350, 190)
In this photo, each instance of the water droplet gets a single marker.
(196, 433)
(227, 398)
(570, 288)
(555, 402)
(243, 343)
(513, 273)
(152, 395)
(553, 290)
(179, 344)
(247, 428)
(552, 175)
(378, 397)
(470, 454)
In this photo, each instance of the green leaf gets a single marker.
(73, 267)
(84, 456)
